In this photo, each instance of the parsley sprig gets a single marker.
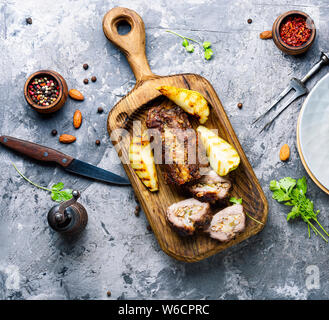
(293, 193)
(57, 192)
(190, 47)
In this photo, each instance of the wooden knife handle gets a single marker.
(131, 44)
(36, 151)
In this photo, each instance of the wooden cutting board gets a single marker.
(134, 106)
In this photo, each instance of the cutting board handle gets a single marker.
(131, 44)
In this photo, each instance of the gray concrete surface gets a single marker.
(116, 252)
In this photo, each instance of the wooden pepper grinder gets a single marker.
(69, 217)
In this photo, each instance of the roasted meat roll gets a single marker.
(188, 215)
(227, 223)
(210, 188)
(179, 144)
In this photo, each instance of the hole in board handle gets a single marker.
(123, 27)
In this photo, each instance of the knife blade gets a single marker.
(88, 170)
(42, 153)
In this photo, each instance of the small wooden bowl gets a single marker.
(62, 96)
(285, 47)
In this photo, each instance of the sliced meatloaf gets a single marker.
(227, 223)
(188, 215)
(210, 187)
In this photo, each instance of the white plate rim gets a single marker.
(299, 147)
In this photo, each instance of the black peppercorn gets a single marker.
(240, 105)
(85, 66)
(137, 209)
(108, 293)
(249, 21)
(85, 81)
(97, 142)
(100, 110)
(93, 79)
(28, 20)
(54, 132)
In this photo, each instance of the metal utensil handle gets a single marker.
(322, 62)
(66, 204)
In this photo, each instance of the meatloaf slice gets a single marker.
(188, 215)
(211, 187)
(179, 143)
(227, 223)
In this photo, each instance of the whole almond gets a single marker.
(67, 138)
(76, 95)
(284, 153)
(77, 119)
(266, 35)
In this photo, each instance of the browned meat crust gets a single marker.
(188, 216)
(177, 145)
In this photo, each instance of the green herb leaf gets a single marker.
(294, 213)
(287, 183)
(62, 195)
(206, 44)
(57, 187)
(56, 196)
(280, 195)
(208, 54)
(274, 185)
(293, 193)
(57, 192)
(66, 194)
(190, 48)
(235, 200)
(301, 185)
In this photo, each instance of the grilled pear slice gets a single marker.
(190, 101)
(142, 161)
(223, 158)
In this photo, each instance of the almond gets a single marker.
(67, 138)
(266, 35)
(284, 153)
(76, 95)
(77, 119)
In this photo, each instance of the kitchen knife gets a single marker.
(70, 164)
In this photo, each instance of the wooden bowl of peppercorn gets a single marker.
(294, 32)
(46, 91)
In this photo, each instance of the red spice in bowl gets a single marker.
(294, 31)
(44, 90)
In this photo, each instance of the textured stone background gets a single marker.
(116, 252)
